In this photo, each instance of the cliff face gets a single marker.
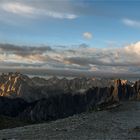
(124, 91)
(38, 99)
(14, 85)
(65, 105)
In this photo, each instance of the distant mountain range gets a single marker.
(14, 85)
(38, 99)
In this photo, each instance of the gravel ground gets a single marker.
(122, 123)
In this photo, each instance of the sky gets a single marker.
(70, 37)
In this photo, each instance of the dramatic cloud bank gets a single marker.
(91, 24)
(79, 59)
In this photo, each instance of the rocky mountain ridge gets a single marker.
(37, 99)
(14, 85)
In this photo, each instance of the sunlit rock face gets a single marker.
(125, 91)
(10, 84)
(14, 85)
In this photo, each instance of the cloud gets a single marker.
(83, 45)
(64, 9)
(133, 48)
(18, 8)
(131, 23)
(87, 35)
(76, 60)
(27, 9)
(23, 50)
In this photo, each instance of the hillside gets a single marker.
(121, 123)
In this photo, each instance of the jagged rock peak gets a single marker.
(119, 82)
(11, 83)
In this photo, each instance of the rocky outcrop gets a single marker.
(14, 85)
(124, 91)
(58, 106)
(65, 105)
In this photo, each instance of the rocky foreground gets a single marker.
(120, 123)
